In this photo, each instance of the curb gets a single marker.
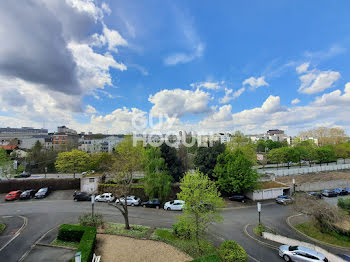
(313, 239)
(258, 240)
(25, 222)
(46, 245)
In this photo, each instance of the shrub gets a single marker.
(182, 230)
(230, 251)
(212, 258)
(344, 203)
(85, 235)
(87, 219)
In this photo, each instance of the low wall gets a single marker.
(24, 184)
(293, 242)
(304, 170)
(322, 185)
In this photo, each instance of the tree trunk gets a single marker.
(73, 175)
(126, 214)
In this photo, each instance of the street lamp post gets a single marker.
(259, 211)
(293, 185)
(92, 204)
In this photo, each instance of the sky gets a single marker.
(157, 66)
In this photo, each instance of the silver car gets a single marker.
(298, 253)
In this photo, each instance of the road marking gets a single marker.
(25, 222)
(253, 258)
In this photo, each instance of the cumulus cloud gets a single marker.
(109, 37)
(90, 110)
(302, 68)
(208, 85)
(230, 95)
(295, 101)
(255, 82)
(179, 102)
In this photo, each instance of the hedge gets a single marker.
(86, 236)
(212, 258)
(36, 184)
(344, 203)
(230, 251)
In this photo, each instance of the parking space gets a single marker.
(54, 195)
(334, 200)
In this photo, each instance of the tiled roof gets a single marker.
(9, 147)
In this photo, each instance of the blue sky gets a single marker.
(208, 67)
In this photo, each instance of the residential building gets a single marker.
(62, 139)
(92, 145)
(9, 132)
(275, 135)
(66, 130)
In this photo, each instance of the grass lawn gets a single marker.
(119, 229)
(187, 246)
(260, 228)
(61, 243)
(2, 227)
(333, 238)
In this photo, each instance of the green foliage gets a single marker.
(6, 165)
(206, 158)
(240, 142)
(173, 163)
(211, 258)
(260, 228)
(60, 243)
(157, 180)
(100, 162)
(135, 231)
(344, 204)
(306, 150)
(4, 157)
(234, 172)
(87, 219)
(275, 144)
(261, 146)
(75, 161)
(2, 227)
(230, 251)
(202, 204)
(325, 154)
(342, 151)
(85, 235)
(39, 158)
(182, 229)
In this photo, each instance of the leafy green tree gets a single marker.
(275, 156)
(127, 160)
(240, 142)
(306, 151)
(275, 144)
(157, 179)
(290, 154)
(342, 151)
(234, 172)
(202, 204)
(72, 162)
(325, 154)
(100, 162)
(40, 158)
(172, 161)
(261, 146)
(206, 157)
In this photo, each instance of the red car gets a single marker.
(13, 195)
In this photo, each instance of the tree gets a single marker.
(342, 151)
(326, 135)
(202, 204)
(275, 156)
(127, 160)
(206, 157)
(157, 179)
(74, 162)
(40, 158)
(290, 154)
(234, 172)
(275, 144)
(183, 157)
(261, 146)
(306, 151)
(240, 142)
(100, 162)
(172, 161)
(325, 154)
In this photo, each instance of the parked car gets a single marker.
(329, 193)
(315, 194)
(298, 253)
(237, 197)
(82, 196)
(344, 257)
(28, 194)
(347, 189)
(130, 201)
(13, 195)
(155, 203)
(174, 205)
(340, 191)
(284, 200)
(25, 174)
(88, 172)
(42, 193)
(105, 197)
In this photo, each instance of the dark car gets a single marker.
(82, 196)
(155, 203)
(347, 189)
(42, 192)
(28, 194)
(340, 191)
(25, 174)
(315, 194)
(237, 197)
(329, 193)
(284, 200)
(344, 257)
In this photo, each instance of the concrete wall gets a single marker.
(293, 242)
(89, 184)
(322, 185)
(264, 194)
(304, 170)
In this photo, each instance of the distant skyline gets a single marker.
(205, 67)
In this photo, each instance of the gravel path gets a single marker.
(113, 248)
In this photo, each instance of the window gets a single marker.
(92, 180)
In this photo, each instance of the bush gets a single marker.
(91, 221)
(260, 228)
(230, 251)
(182, 230)
(212, 258)
(85, 235)
(344, 203)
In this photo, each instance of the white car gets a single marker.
(130, 201)
(174, 205)
(105, 197)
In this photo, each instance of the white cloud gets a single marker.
(87, 7)
(90, 110)
(208, 85)
(255, 82)
(230, 95)
(182, 58)
(316, 81)
(302, 68)
(106, 8)
(179, 102)
(109, 37)
(295, 101)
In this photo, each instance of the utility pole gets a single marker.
(92, 204)
(259, 211)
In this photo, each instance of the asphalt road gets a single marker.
(43, 215)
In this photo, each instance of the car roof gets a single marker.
(311, 252)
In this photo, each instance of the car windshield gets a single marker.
(42, 190)
(293, 248)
